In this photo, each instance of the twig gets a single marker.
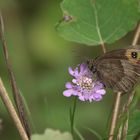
(115, 115)
(136, 36)
(119, 133)
(122, 131)
(16, 93)
(125, 128)
(12, 111)
(126, 110)
(103, 48)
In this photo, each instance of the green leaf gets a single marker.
(94, 22)
(134, 125)
(51, 134)
(94, 133)
(78, 134)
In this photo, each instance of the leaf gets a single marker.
(134, 125)
(94, 22)
(94, 133)
(51, 134)
(78, 134)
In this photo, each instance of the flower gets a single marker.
(84, 85)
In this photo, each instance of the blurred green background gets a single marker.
(40, 60)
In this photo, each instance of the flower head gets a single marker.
(83, 85)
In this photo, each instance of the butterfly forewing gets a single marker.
(119, 69)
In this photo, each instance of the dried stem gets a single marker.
(12, 111)
(126, 110)
(115, 115)
(103, 48)
(136, 36)
(122, 132)
(16, 93)
(125, 128)
(119, 133)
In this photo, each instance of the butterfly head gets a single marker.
(91, 65)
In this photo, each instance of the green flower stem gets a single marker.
(72, 116)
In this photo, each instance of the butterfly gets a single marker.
(118, 69)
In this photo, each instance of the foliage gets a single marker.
(100, 21)
(134, 125)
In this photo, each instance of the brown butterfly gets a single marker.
(118, 69)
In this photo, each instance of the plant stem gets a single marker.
(6, 100)
(126, 110)
(115, 115)
(119, 133)
(16, 93)
(72, 116)
(136, 36)
(103, 48)
(125, 128)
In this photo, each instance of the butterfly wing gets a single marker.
(119, 69)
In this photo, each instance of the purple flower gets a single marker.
(84, 85)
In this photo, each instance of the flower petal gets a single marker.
(68, 85)
(68, 92)
(71, 72)
(76, 73)
(98, 86)
(83, 67)
(74, 81)
(97, 97)
(81, 98)
(101, 91)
